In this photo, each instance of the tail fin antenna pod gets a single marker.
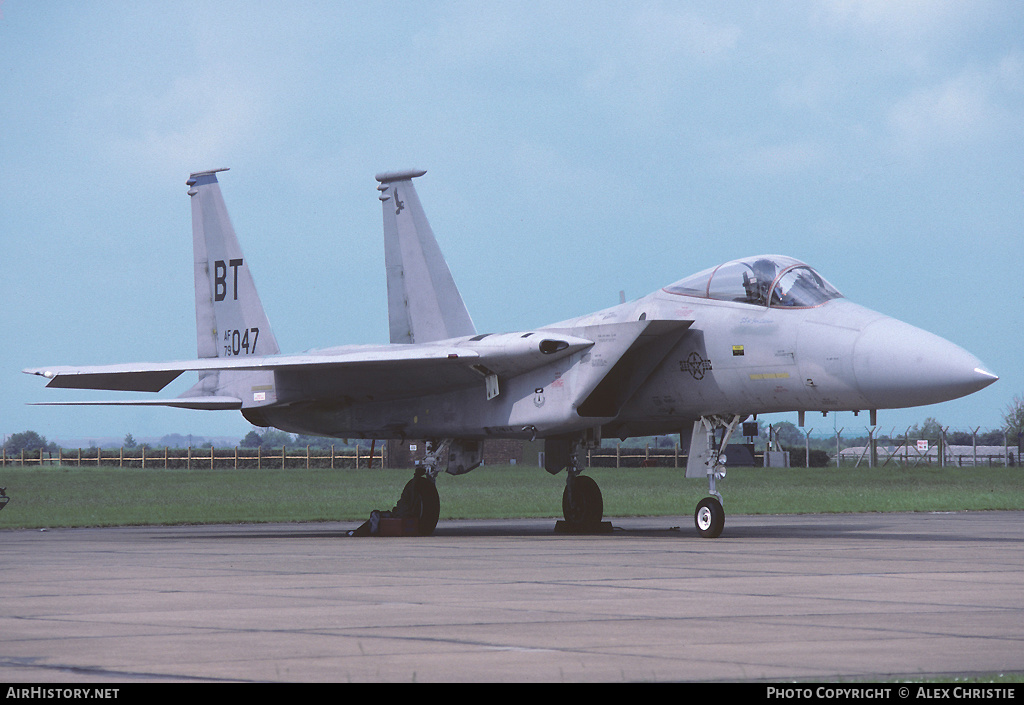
(230, 320)
(424, 304)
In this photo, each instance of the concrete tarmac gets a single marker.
(814, 597)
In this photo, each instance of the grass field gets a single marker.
(64, 497)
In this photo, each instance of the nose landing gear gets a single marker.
(707, 457)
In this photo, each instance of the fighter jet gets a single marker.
(752, 336)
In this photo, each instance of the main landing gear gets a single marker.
(582, 503)
(420, 499)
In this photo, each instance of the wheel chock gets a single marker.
(565, 527)
(397, 527)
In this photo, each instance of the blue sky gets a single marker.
(573, 149)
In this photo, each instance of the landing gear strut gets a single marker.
(709, 518)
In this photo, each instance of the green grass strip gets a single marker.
(69, 496)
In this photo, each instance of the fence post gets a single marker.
(143, 456)
(236, 457)
(332, 456)
(307, 456)
(188, 459)
(283, 455)
(211, 456)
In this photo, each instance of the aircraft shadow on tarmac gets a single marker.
(669, 529)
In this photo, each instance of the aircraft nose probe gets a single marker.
(898, 365)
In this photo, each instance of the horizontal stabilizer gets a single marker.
(117, 381)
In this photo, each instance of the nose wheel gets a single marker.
(709, 518)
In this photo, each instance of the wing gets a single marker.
(381, 372)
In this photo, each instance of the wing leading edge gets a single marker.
(386, 372)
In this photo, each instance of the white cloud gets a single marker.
(962, 109)
(906, 17)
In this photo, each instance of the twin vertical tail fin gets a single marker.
(230, 320)
(424, 304)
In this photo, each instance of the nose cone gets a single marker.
(897, 365)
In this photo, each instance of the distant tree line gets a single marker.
(787, 434)
(28, 441)
(32, 442)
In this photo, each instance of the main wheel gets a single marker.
(426, 506)
(586, 506)
(709, 518)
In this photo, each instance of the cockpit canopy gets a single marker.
(765, 280)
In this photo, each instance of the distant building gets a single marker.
(953, 455)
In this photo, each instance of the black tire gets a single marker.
(426, 505)
(587, 506)
(709, 518)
